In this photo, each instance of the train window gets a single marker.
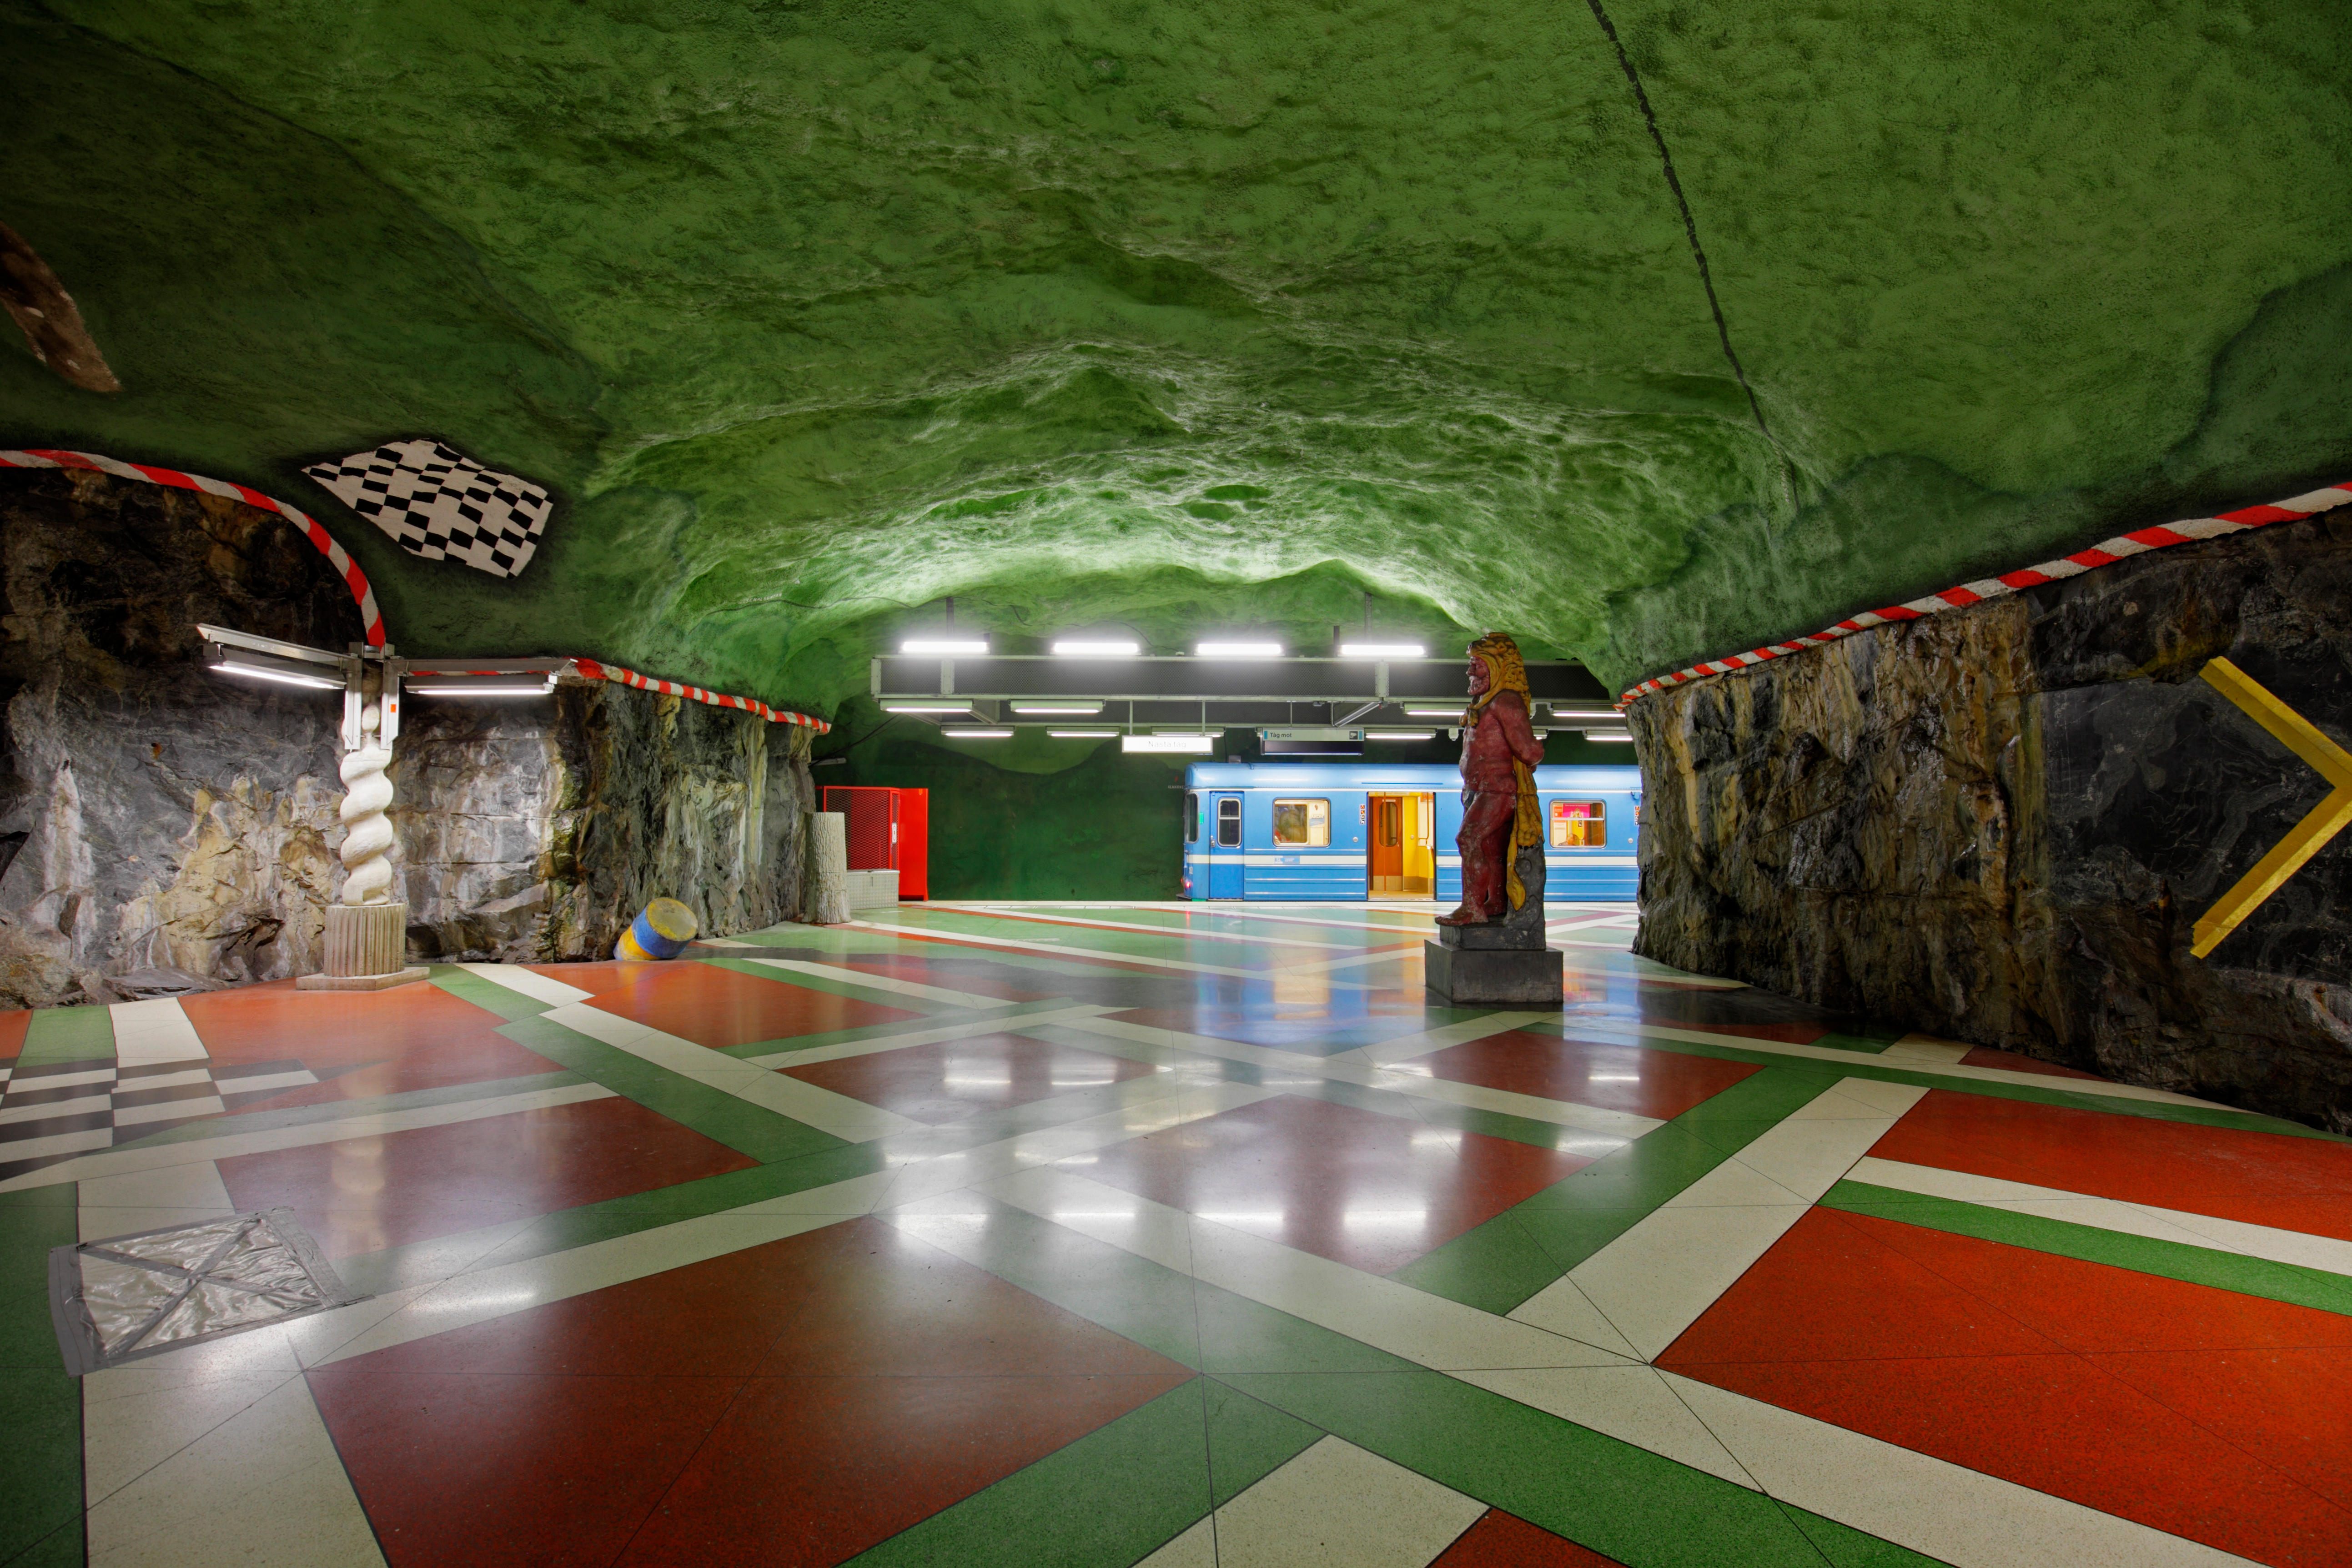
(1229, 822)
(1303, 822)
(1579, 825)
(1192, 818)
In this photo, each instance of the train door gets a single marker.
(1385, 863)
(1224, 847)
(1420, 857)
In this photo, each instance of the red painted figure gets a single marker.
(1497, 741)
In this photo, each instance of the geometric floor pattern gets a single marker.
(1104, 1233)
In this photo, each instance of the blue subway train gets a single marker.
(1363, 830)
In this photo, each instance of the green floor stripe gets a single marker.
(1110, 1498)
(1009, 1021)
(40, 1406)
(1248, 1440)
(1497, 1265)
(84, 1033)
(487, 994)
(1607, 1494)
(1645, 1510)
(1846, 1547)
(2143, 1254)
(881, 994)
(2153, 1110)
(746, 1128)
(239, 1122)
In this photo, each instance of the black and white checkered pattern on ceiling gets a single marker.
(440, 504)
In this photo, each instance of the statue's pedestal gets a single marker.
(1503, 963)
(367, 949)
(1494, 977)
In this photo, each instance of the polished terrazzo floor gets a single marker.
(1098, 1234)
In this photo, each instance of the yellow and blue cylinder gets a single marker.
(662, 930)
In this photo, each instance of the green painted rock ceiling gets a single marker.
(1175, 315)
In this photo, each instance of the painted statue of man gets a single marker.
(1499, 755)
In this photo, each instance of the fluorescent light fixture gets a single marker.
(1096, 648)
(1081, 735)
(1436, 712)
(927, 708)
(481, 691)
(284, 676)
(1193, 745)
(944, 644)
(1075, 710)
(1382, 650)
(973, 733)
(1600, 735)
(1604, 715)
(1237, 650)
(1400, 734)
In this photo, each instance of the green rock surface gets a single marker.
(1180, 315)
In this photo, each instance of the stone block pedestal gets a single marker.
(1494, 977)
(367, 949)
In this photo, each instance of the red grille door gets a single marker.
(873, 825)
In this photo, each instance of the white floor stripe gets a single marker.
(849, 976)
(1606, 1130)
(528, 982)
(1338, 1504)
(484, 1294)
(1426, 1329)
(1055, 950)
(1179, 934)
(1659, 1276)
(938, 1034)
(119, 1162)
(2277, 1246)
(155, 1031)
(838, 1115)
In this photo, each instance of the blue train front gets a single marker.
(1351, 830)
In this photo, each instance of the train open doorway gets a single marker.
(1403, 862)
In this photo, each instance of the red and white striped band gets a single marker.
(371, 617)
(2108, 552)
(356, 580)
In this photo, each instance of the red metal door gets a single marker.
(914, 842)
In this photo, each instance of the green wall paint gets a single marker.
(815, 311)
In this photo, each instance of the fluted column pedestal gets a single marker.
(367, 949)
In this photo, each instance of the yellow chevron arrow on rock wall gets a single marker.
(2307, 837)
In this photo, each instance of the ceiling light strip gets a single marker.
(371, 617)
(2106, 553)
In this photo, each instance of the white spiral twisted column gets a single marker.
(367, 933)
(367, 832)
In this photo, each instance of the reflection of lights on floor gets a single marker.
(1242, 1216)
(1384, 1219)
(1613, 1078)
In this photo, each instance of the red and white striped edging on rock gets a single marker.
(2105, 554)
(370, 617)
(356, 580)
(596, 671)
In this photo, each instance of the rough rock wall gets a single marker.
(539, 832)
(163, 829)
(2001, 823)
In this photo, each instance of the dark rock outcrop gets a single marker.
(163, 829)
(2001, 823)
